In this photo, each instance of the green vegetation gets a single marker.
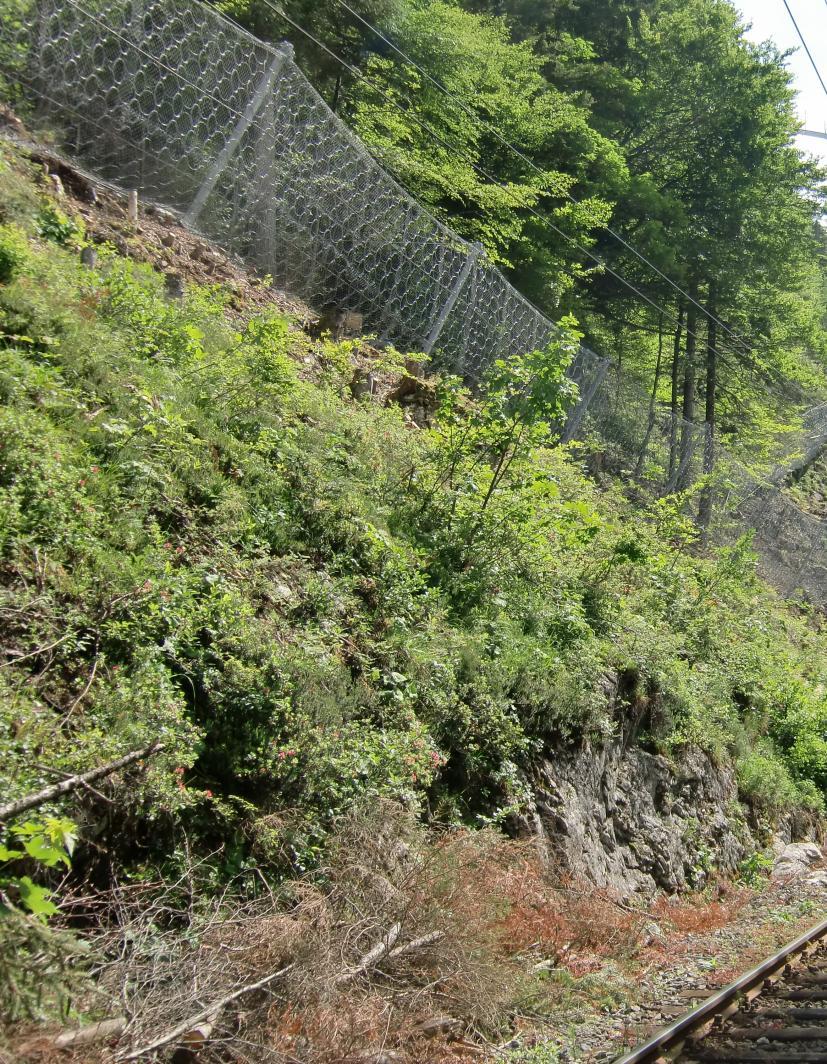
(309, 602)
(319, 608)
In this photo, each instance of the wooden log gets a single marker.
(94, 1032)
(372, 957)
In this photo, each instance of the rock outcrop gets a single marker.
(636, 821)
(795, 859)
(623, 817)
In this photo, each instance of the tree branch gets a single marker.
(57, 790)
(372, 957)
(95, 1032)
(368, 961)
(209, 1010)
(416, 943)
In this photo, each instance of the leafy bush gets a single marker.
(765, 780)
(312, 604)
(753, 870)
(55, 224)
(13, 252)
(42, 843)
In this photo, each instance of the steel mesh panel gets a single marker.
(170, 97)
(143, 93)
(492, 320)
(641, 441)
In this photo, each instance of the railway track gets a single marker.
(777, 1012)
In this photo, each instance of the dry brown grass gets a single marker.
(695, 914)
(407, 946)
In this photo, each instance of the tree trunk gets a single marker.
(705, 506)
(687, 425)
(650, 424)
(337, 92)
(675, 403)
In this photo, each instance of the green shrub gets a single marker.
(765, 780)
(13, 252)
(55, 224)
(310, 603)
(753, 870)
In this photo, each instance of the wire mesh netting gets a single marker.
(169, 97)
(658, 453)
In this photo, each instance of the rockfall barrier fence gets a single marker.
(170, 97)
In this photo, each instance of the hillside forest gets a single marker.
(653, 146)
(340, 644)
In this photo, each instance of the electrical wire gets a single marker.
(530, 162)
(490, 177)
(806, 49)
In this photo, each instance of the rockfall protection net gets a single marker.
(169, 97)
(628, 436)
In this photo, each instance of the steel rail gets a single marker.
(676, 1033)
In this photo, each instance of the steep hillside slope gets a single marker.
(347, 599)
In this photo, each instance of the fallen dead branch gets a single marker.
(353, 962)
(93, 1032)
(371, 958)
(82, 779)
(416, 943)
(204, 1014)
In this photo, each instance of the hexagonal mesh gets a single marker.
(169, 97)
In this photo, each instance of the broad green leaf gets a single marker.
(35, 898)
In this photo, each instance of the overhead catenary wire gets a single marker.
(530, 163)
(481, 171)
(806, 48)
(424, 125)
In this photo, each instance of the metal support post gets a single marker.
(474, 254)
(285, 52)
(575, 418)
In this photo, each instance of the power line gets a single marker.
(530, 162)
(490, 177)
(806, 49)
(425, 126)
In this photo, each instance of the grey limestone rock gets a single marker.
(635, 821)
(795, 859)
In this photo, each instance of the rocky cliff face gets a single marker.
(636, 822)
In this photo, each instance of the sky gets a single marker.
(770, 21)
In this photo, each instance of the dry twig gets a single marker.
(210, 1010)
